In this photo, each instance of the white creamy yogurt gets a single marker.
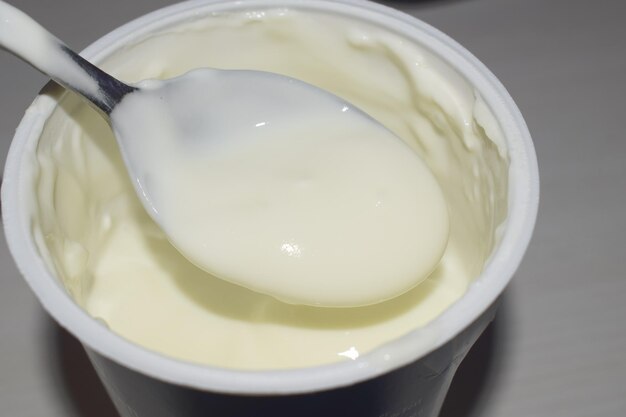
(275, 185)
(120, 267)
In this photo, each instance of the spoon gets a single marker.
(261, 179)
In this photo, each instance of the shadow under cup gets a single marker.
(407, 376)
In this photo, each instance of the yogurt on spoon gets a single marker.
(263, 180)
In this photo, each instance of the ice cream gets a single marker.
(119, 266)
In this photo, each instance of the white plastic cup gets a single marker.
(405, 377)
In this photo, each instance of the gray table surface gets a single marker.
(558, 345)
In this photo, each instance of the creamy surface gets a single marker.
(121, 268)
(276, 185)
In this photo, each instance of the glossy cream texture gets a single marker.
(270, 183)
(119, 266)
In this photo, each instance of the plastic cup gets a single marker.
(408, 376)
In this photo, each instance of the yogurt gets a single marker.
(119, 266)
(283, 188)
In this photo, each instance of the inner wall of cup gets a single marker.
(82, 191)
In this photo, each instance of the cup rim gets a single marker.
(523, 200)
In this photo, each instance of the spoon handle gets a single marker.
(25, 38)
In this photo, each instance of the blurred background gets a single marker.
(558, 345)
